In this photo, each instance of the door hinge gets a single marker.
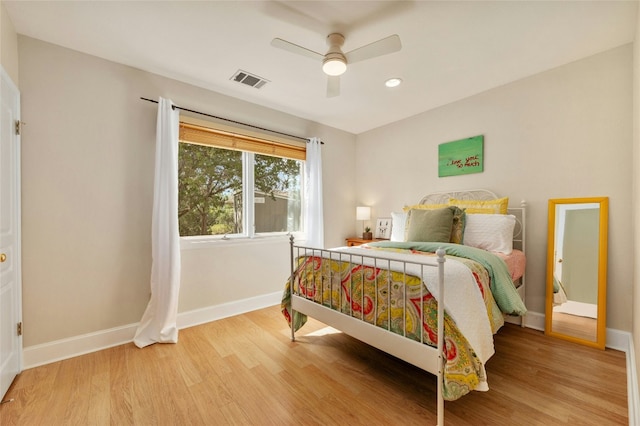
(18, 127)
(19, 328)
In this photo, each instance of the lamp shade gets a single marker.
(363, 213)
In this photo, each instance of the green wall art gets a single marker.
(461, 157)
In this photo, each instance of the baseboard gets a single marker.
(213, 313)
(533, 320)
(618, 340)
(46, 353)
(633, 396)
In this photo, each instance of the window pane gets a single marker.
(277, 194)
(208, 180)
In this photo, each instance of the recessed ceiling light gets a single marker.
(393, 82)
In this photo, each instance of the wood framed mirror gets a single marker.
(576, 297)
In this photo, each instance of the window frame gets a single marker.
(198, 130)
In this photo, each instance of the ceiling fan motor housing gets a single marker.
(335, 40)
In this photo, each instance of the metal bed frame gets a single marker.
(414, 352)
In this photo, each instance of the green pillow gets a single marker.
(430, 225)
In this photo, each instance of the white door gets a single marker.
(10, 276)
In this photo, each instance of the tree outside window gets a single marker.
(211, 187)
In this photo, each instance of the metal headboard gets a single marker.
(484, 195)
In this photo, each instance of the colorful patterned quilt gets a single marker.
(351, 289)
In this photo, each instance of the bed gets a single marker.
(391, 294)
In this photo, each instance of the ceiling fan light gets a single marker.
(334, 66)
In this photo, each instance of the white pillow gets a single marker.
(398, 224)
(491, 232)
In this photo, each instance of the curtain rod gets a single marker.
(232, 121)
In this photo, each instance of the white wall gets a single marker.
(87, 186)
(8, 45)
(636, 197)
(562, 133)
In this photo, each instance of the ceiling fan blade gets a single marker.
(377, 48)
(333, 86)
(294, 48)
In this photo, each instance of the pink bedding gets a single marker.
(515, 261)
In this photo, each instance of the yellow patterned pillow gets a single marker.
(498, 206)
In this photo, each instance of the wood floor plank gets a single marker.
(245, 370)
(120, 392)
(71, 389)
(99, 412)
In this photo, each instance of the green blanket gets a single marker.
(504, 292)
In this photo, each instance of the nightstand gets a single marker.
(355, 241)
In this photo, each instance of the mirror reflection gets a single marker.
(576, 270)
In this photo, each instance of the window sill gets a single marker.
(195, 243)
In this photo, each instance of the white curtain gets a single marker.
(158, 324)
(314, 222)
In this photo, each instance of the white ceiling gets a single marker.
(450, 49)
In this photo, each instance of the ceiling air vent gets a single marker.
(249, 79)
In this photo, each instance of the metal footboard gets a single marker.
(415, 352)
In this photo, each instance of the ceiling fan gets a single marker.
(334, 62)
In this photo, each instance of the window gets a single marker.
(232, 184)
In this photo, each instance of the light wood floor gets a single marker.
(245, 371)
